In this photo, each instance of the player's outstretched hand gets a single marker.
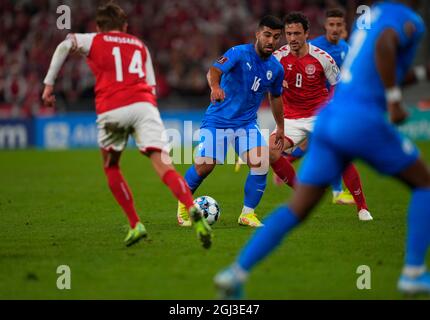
(279, 139)
(48, 96)
(217, 95)
(398, 114)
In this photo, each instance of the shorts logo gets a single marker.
(222, 60)
(269, 75)
(408, 146)
(310, 69)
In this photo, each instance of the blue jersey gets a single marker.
(360, 68)
(354, 124)
(337, 51)
(246, 80)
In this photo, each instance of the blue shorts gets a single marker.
(342, 135)
(214, 142)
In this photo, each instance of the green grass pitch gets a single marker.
(56, 209)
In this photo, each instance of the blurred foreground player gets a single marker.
(378, 63)
(333, 43)
(125, 105)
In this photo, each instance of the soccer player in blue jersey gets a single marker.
(239, 81)
(377, 65)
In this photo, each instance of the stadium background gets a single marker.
(55, 208)
(184, 38)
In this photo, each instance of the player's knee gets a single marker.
(204, 169)
(417, 175)
(425, 180)
(259, 166)
(274, 155)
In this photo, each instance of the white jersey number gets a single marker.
(135, 66)
(256, 84)
(357, 41)
(299, 80)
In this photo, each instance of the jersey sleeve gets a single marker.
(332, 73)
(228, 60)
(331, 70)
(410, 31)
(282, 52)
(276, 89)
(150, 74)
(81, 42)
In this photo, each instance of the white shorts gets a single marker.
(297, 130)
(141, 120)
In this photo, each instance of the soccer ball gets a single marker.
(209, 207)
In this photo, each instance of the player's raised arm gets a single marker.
(386, 59)
(214, 80)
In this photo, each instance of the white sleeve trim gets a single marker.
(331, 70)
(58, 58)
(282, 52)
(82, 42)
(150, 75)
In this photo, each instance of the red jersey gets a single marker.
(122, 66)
(305, 78)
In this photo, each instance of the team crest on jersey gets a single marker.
(269, 75)
(310, 69)
(290, 67)
(222, 60)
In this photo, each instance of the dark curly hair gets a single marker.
(297, 17)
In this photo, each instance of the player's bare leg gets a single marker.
(279, 163)
(415, 277)
(162, 164)
(257, 160)
(123, 195)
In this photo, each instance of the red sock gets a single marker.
(179, 187)
(122, 193)
(283, 168)
(353, 183)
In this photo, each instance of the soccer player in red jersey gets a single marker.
(125, 105)
(307, 71)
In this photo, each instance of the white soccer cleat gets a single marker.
(364, 215)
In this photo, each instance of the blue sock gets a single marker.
(254, 189)
(298, 152)
(337, 185)
(418, 238)
(267, 238)
(193, 179)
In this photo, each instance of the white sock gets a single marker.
(240, 273)
(413, 271)
(247, 210)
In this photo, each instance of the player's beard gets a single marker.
(334, 37)
(262, 52)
